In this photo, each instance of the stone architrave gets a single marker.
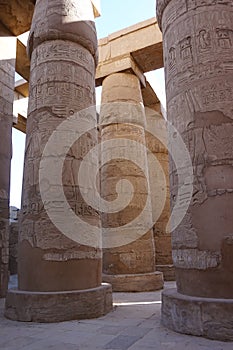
(156, 142)
(127, 266)
(59, 278)
(7, 78)
(198, 50)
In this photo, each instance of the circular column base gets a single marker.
(28, 306)
(209, 318)
(135, 282)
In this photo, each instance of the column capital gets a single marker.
(64, 20)
(160, 7)
(125, 63)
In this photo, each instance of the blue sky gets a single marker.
(116, 15)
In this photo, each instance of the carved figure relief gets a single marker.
(204, 40)
(172, 58)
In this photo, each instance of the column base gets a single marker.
(58, 306)
(209, 318)
(135, 282)
(168, 272)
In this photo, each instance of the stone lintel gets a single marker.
(207, 317)
(22, 66)
(150, 99)
(16, 16)
(143, 41)
(20, 123)
(96, 8)
(22, 87)
(51, 307)
(135, 282)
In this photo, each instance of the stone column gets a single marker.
(129, 265)
(198, 49)
(7, 80)
(156, 142)
(59, 277)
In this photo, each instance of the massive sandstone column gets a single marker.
(59, 278)
(156, 142)
(129, 265)
(7, 79)
(198, 50)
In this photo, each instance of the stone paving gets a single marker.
(134, 324)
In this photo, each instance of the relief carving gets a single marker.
(224, 38)
(204, 40)
(186, 48)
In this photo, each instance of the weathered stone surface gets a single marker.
(198, 43)
(60, 306)
(122, 117)
(16, 15)
(13, 247)
(209, 317)
(199, 118)
(14, 240)
(63, 50)
(144, 282)
(156, 142)
(143, 41)
(61, 84)
(4, 256)
(168, 272)
(7, 71)
(22, 65)
(137, 46)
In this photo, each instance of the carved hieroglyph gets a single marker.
(198, 47)
(7, 74)
(62, 47)
(122, 116)
(198, 50)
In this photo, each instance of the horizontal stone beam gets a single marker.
(142, 41)
(22, 87)
(20, 123)
(96, 8)
(137, 48)
(22, 66)
(150, 98)
(16, 15)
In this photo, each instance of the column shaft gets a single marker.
(62, 48)
(7, 80)
(198, 48)
(128, 266)
(156, 141)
